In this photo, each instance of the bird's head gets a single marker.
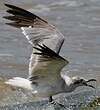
(78, 81)
(71, 83)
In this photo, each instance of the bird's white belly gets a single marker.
(45, 91)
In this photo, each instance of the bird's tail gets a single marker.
(20, 82)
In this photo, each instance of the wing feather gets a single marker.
(48, 65)
(36, 30)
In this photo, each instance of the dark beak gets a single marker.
(90, 80)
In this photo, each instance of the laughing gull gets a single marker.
(45, 64)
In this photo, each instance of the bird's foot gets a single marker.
(51, 101)
(57, 103)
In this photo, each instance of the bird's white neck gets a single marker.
(68, 85)
(67, 79)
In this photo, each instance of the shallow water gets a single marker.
(78, 20)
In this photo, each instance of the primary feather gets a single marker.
(45, 62)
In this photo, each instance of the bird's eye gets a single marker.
(81, 80)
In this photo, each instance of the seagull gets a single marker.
(45, 78)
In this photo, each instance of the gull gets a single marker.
(45, 78)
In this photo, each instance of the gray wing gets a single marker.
(47, 66)
(35, 29)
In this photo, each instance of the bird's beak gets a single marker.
(90, 80)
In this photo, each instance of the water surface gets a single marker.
(78, 20)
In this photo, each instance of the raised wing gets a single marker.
(35, 29)
(47, 66)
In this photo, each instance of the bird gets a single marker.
(45, 66)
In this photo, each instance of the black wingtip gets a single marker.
(7, 5)
(11, 24)
(4, 17)
(8, 17)
(45, 51)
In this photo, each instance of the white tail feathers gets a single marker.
(20, 82)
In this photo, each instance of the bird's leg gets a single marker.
(54, 102)
(50, 99)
